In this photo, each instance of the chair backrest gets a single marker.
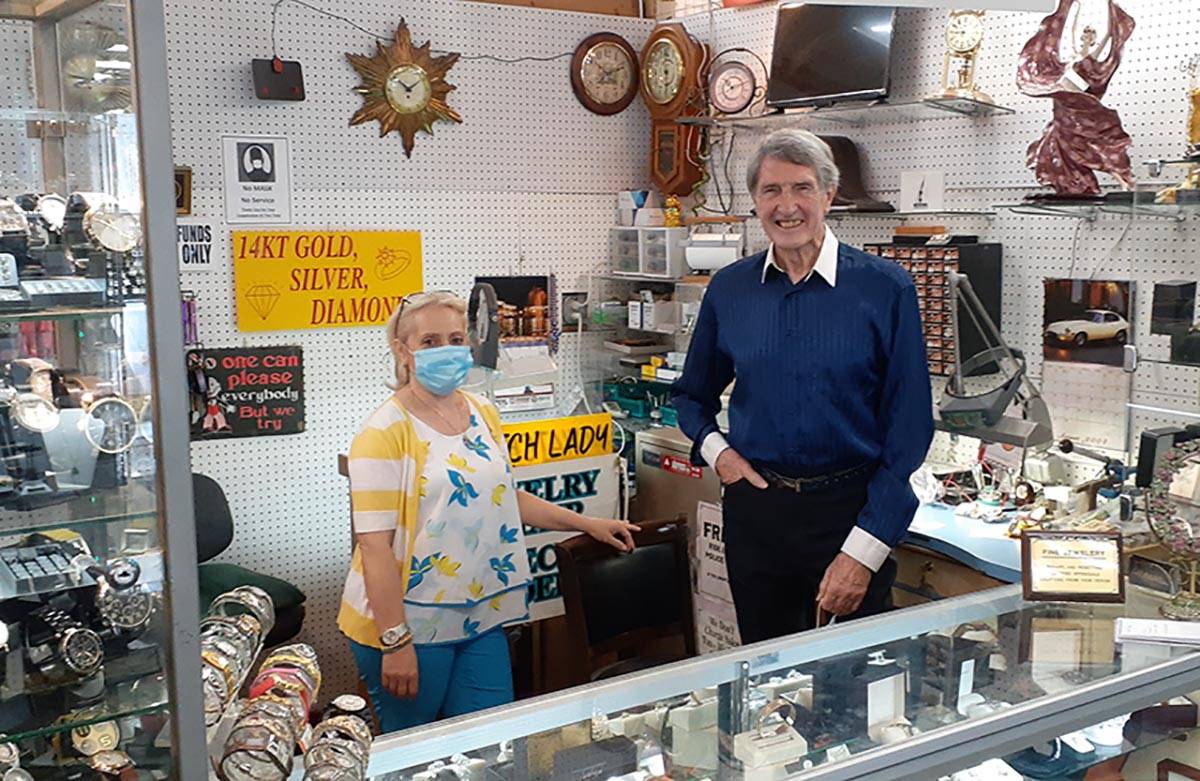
(214, 520)
(623, 602)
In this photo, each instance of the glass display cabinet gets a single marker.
(1041, 689)
(99, 668)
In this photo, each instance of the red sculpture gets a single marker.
(1084, 135)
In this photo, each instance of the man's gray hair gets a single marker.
(798, 147)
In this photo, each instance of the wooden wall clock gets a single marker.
(672, 86)
(404, 88)
(604, 73)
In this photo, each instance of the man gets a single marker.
(830, 412)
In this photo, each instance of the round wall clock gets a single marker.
(604, 73)
(731, 87)
(404, 88)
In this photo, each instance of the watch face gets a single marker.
(16, 774)
(112, 228)
(34, 413)
(607, 73)
(111, 762)
(111, 425)
(964, 33)
(82, 651)
(123, 573)
(731, 87)
(53, 209)
(663, 71)
(94, 738)
(407, 89)
(128, 610)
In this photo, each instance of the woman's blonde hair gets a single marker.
(400, 323)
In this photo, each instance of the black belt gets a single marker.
(854, 476)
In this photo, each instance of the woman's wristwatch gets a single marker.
(395, 638)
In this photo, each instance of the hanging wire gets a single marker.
(360, 28)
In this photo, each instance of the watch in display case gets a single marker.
(113, 228)
(114, 764)
(91, 739)
(79, 649)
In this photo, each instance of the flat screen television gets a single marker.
(829, 53)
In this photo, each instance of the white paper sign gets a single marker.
(712, 576)
(922, 191)
(194, 239)
(716, 625)
(258, 180)
(584, 485)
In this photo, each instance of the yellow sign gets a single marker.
(290, 280)
(559, 439)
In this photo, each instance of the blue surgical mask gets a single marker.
(442, 369)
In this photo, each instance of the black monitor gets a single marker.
(827, 53)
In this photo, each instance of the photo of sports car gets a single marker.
(1096, 325)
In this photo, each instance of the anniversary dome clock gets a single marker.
(964, 36)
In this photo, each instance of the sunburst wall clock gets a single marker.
(404, 88)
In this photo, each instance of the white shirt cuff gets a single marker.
(866, 549)
(712, 446)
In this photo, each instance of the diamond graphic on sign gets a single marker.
(263, 298)
(391, 263)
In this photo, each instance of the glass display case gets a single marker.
(95, 674)
(920, 693)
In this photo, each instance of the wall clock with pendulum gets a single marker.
(404, 88)
(673, 67)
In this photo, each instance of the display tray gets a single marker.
(129, 503)
(58, 313)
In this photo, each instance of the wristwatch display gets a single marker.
(246, 599)
(52, 209)
(34, 413)
(91, 739)
(111, 425)
(79, 649)
(113, 764)
(113, 228)
(128, 609)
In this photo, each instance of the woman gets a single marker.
(439, 563)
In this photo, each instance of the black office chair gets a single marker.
(214, 534)
(627, 611)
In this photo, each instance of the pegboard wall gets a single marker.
(984, 164)
(20, 162)
(525, 185)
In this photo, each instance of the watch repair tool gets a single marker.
(980, 392)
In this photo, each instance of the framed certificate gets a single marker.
(1072, 567)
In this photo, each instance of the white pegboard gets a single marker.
(984, 161)
(20, 161)
(526, 185)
